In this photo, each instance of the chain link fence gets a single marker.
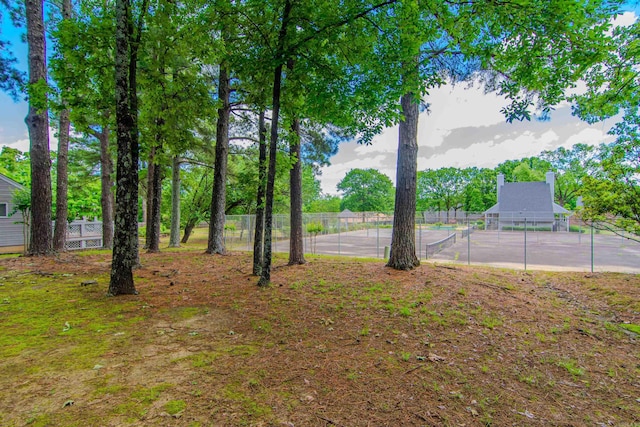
(583, 248)
(457, 237)
(366, 234)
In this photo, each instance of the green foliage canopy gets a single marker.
(612, 194)
(15, 164)
(366, 190)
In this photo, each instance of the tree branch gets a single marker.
(340, 23)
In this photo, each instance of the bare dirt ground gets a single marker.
(334, 342)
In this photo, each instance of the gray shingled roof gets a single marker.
(526, 200)
(557, 209)
(11, 182)
(347, 214)
(525, 196)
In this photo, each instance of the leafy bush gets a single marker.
(314, 228)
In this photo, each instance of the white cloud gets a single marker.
(624, 19)
(20, 144)
(23, 143)
(465, 128)
(450, 108)
(589, 136)
(487, 154)
(386, 142)
(333, 174)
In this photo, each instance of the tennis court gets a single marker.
(544, 250)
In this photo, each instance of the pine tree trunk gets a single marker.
(265, 271)
(148, 219)
(62, 178)
(155, 191)
(106, 184)
(37, 121)
(258, 239)
(215, 244)
(60, 230)
(188, 229)
(296, 245)
(153, 228)
(174, 238)
(133, 108)
(403, 246)
(125, 247)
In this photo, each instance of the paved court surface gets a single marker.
(547, 251)
(361, 243)
(544, 250)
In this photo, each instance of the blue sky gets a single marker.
(12, 127)
(465, 128)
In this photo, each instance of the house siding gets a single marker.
(10, 233)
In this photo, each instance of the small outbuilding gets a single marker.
(529, 203)
(11, 228)
(348, 217)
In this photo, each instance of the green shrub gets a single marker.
(314, 228)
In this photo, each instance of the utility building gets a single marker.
(529, 203)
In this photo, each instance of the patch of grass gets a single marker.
(566, 326)
(261, 325)
(385, 298)
(252, 407)
(76, 322)
(207, 358)
(404, 311)
(631, 327)
(201, 360)
(571, 366)
(91, 252)
(544, 338)
(457, 317)
(531, 378)
(491, 322)
(184, 313)
(297, 285)
(136, 406)
(353, 375)
(375, 288)
(149, 395)
(105, 389)
(63, 419)
(174, 407)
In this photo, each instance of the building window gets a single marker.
(4, 210)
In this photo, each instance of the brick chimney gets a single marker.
(500, 183)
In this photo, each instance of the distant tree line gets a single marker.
(474, 189)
